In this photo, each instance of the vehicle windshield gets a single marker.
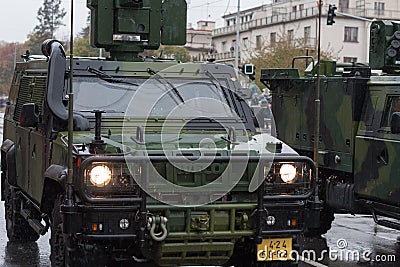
(92, 93)
(192, 93)
(197, 98)
(152, 97)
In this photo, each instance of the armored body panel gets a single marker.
(342, 97)
(376, 155)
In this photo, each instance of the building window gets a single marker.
(350, 34)
(379, 8)
(349, 59)
(294, 8)
(223, 46)
(290, 36)
(307, 35)
(258, 41)
(233, 47)
(245, 43)
(343, 5)
(301, 7)
(273, 37)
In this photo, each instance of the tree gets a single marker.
(176, 52)
(82, 47)
(85, 31)
(280, 54)
(50, 16)
(9, 52)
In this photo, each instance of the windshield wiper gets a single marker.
(218, 84)
(105, 77)
(174, 90)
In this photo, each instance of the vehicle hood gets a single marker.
(253, 143)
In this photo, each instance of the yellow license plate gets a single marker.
(274, 249)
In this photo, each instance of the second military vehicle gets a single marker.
(359, 125)
(167, 165)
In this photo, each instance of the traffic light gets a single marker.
(331, 15)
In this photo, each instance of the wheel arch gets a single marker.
(54, 183)
(8, 164)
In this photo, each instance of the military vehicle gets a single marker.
(166, 167)
(359, 126)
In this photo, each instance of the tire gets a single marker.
(57, 244)
(18, 229)
(65, 250)
(62, 247)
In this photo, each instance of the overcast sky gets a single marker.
(18, 17)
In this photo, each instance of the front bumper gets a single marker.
(205, 234)
(190, 240)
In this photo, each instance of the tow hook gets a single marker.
(157, 222)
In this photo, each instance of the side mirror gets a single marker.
(29, 115)
(395, 123)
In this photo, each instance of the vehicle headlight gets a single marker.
(288, 173)
(100, 175)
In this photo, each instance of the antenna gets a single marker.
(70, 110)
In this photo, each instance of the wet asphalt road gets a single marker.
(352, 241)
(357, 241)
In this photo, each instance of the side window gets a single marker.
(392, 105)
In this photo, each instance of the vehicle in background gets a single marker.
(359, 125)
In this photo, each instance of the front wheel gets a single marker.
(18, 229)
(57, 244)
(65, 249)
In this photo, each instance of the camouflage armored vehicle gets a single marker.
(359, 126)
(167, 166)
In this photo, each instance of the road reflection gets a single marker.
(21, 254)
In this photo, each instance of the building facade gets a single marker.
(198, 41)
(297, 21)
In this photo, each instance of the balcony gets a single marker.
(279, 18)
(374, 13)
(225, 56)
(305, 13)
